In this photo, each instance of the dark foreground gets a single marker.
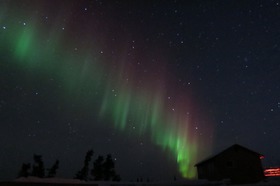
(106, 184)
(268, 182)
(42, 184)
(75, 184)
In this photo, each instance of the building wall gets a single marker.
(237, 164)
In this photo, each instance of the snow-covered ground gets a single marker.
(34, 181)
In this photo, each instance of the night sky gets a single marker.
(160, 85)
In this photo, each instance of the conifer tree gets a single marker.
(38, 166)
(97, 172)
(104, 169)
(83, 173)
(24, 171)
(53, 169)
(109, 168)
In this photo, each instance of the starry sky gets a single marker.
(160, 85)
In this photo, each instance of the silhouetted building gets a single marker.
(237, 163)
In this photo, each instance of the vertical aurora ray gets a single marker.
(147, 111)
(122, 102)
(23, 44)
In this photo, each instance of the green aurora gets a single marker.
(122, 103)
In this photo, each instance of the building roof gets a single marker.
(233, 146)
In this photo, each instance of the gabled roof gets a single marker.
(233, 146)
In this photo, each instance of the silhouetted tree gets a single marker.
(83, 173)
(24, 171)
(53, 169)
(109, 168)
(104, 169)
(98, 170)
(38, 166)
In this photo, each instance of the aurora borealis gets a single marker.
(160, 85)
(149, 107)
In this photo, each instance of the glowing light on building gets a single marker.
(269, 172)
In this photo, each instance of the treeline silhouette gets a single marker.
(103, 169)
(38, 169)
